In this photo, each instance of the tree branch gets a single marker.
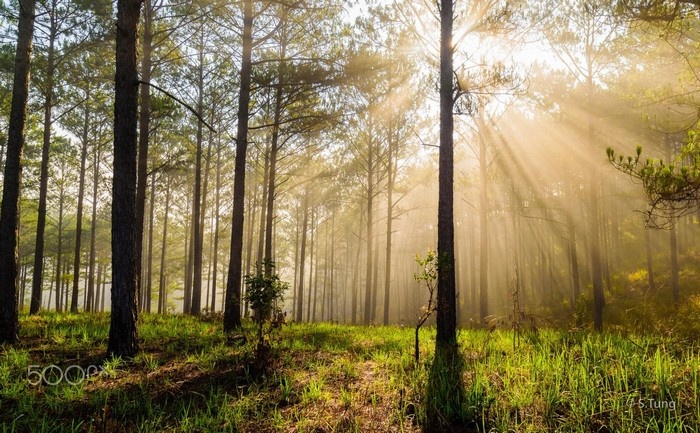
(181, 102)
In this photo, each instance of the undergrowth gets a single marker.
(336, 378)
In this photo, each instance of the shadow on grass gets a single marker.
(449, 407)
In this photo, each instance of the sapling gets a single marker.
(263, 292)
(427, 276)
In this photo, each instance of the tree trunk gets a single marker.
(650, 265)
(162, 289)
(483, 226)
(79, 217)
(311, 268)
(144, 136)
(217, 208)
(196, 307)
(389, 221)
(232, 315)
(122, 331)
(370, 201)
(149, 270)
(302, 259)
(446, 338)
(37, 280)
(9, 215)
(92, 302)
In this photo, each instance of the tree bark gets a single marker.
(9, 213)
(446, 338)
(92, 302)
(196, 307)
(79, 217)
(650, 264)
(123, 340)
(302, 260)
(162, 289)
(37, 277)
(144, 136)
(483, 226)
(232, 315)
(370, 202)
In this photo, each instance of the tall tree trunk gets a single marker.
(311, 268)
(389, 221)
(355, 277)
(162, 289)
(370, 201)
(59, 252)
(274, 149)
(144, 136)
(9, 213)
(302, 259)
(122, 331)
(232, 315)
(37, 280)
(217, 216)
(483, 226)
(446, 338)
(197, 203)
(92, 302)
(79, 217)
(149, 270)
(263, 211)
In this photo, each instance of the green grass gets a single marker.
(328, 377)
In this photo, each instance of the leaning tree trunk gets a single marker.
(122, 331)
(9, 215)
(232, 315)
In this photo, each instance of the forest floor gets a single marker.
(336, 378)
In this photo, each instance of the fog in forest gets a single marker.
(343, 137)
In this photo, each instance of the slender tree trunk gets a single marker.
(197, 220)
(149, 271)
(122, 332)
(370, 202)
(274, 149)
(59, 252)
(96, 304)
(144, 136)
(446, 338)
(189, 252)
(92, 302)
(37, 280)
(389, 222)
(9, 213)
(483, 226)
(162, 289)
(302, 260)
(263, 211)
(232, 316)
(217, 216)
(79, 217)
(311, 268)
(355, 277)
